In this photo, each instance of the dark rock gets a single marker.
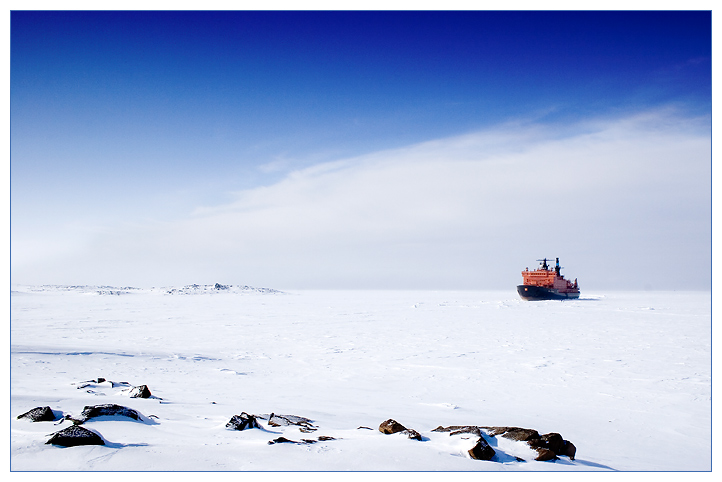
(101, 380)
(141, 391)
(537, 443)
(521, 434)
(305, 424)
(482, 450)
(106, 410)
(544, 454)
(242, 422)
(412, 434)
(459, 429)
(74, 436)
(304, 441)
(568, 449)
(494, 431)
(281, 440)
(554, 442)
(39, 414)
(546, 445)
(365, 428)
(391, 426)
(513, 433)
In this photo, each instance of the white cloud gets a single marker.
(468, 211)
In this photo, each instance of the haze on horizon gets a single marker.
(404, 150)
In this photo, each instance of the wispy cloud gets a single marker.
(463, 212)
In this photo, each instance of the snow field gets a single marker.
(624, 376)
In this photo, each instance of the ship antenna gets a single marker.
(544, 265)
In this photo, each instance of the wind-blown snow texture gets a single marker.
(626, 377)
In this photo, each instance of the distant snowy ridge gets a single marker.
(89, 289)
(193, 289)
(216, 288)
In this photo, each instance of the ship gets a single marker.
(547, 284)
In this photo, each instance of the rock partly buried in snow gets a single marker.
(100, 381)
(39, 414)
(412, 434)
(459, 429)
(544, 455)
(242, 422)
(481, 450)
(109, 409)
(141, 391)
(281, 440)
(547, 446)
(274, 420)
(74, 436)
(304, 441)
(553, 441)
(569, 450)
(514, 433)
(392, 426)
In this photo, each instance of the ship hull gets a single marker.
(538, 293)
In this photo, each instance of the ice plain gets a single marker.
(625, 376)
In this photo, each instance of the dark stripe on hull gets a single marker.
(537, 293)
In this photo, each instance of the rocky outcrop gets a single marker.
(242, 422)
(305, 425)
(543, 453)
(459, 429)
(281, 440)
(141, 391)
(74, 436)
(412, 434)
(391, 426)
(481, 450)
(569, 450)
(100, 382)
(39, 414)
(110, 409)
(553, 441)
(548, 446)
(513, 433)
(304, 441)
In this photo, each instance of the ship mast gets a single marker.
(544, 264)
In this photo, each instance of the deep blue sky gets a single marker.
(130, 116)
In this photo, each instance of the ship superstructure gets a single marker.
(545, 283)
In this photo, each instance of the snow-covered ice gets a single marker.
(626, 377)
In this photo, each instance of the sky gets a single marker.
(360, 149)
